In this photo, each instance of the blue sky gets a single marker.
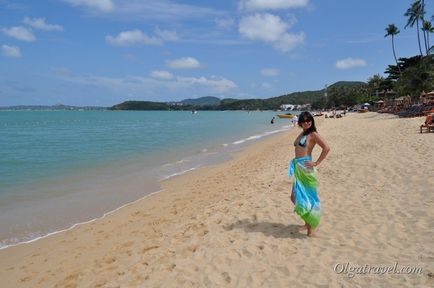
(103, 52)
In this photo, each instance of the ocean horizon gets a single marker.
(61, 168)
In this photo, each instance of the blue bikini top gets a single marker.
(302, 142)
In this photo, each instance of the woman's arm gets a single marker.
(325, 150)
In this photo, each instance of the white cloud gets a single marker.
(163, 75)
(166, 35)
(349, 63)
(145, 11)
(20, 33)
(272, 29)
(149, 84)
(11, 51)
(102, 5)
(128, 38)
(217, 83)
(184, 63)
(254, 5)
(265, 27)
(289, 41)
(132, 37)
(162, 11)
(269, 72)
(39, 23)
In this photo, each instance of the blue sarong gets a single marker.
(307, 204)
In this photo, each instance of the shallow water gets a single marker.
(58, 168)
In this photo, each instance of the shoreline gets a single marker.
(232, 224)
(240, 145)
(79, 224)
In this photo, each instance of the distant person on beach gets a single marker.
(272, 120)
(294, 120)
(304, 190)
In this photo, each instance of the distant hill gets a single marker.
(140, 105)
(214, 103)
(347, 84)
(207, 100)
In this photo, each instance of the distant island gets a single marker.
(52, 107)
(315, 99)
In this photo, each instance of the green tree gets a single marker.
(374, 84)
(415, 14)
(418, 76)
(427, 28)
(392, 30)
(425, 34)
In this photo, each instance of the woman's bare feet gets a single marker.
(310, 231)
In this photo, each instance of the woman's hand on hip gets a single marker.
(310, 164)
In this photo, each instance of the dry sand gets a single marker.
(232, 225)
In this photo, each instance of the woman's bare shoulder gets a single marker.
(319, 139)
(316, 136)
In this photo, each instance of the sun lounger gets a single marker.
(429, 124)
(428, 112)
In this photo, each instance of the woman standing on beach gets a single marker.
(304, 191)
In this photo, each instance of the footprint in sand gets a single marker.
(109, 259)
(145, 250)
(128, 244)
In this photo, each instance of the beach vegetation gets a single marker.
(392, 30)
(413, 75)
(202, 101)
(417, 76)
(427, 28)
(415, 14)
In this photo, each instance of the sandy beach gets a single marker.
(233, 225)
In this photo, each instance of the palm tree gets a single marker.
(414, 14)
(427, 28)
(392, 30)
(424, 34)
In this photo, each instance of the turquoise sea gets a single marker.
(60, 168)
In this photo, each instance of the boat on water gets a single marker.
(288, 115)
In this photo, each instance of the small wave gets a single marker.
(259, 136)
(254, 137)
(4, 246)
(174, 163)
(179, 173)
(238, 142)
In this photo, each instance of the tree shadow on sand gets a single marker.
(277, 230)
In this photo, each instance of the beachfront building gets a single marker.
(386, 94)
(426, 97)
(379, 105)
(299, 107)
(287, 107)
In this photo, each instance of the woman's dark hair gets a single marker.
(306, 116)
